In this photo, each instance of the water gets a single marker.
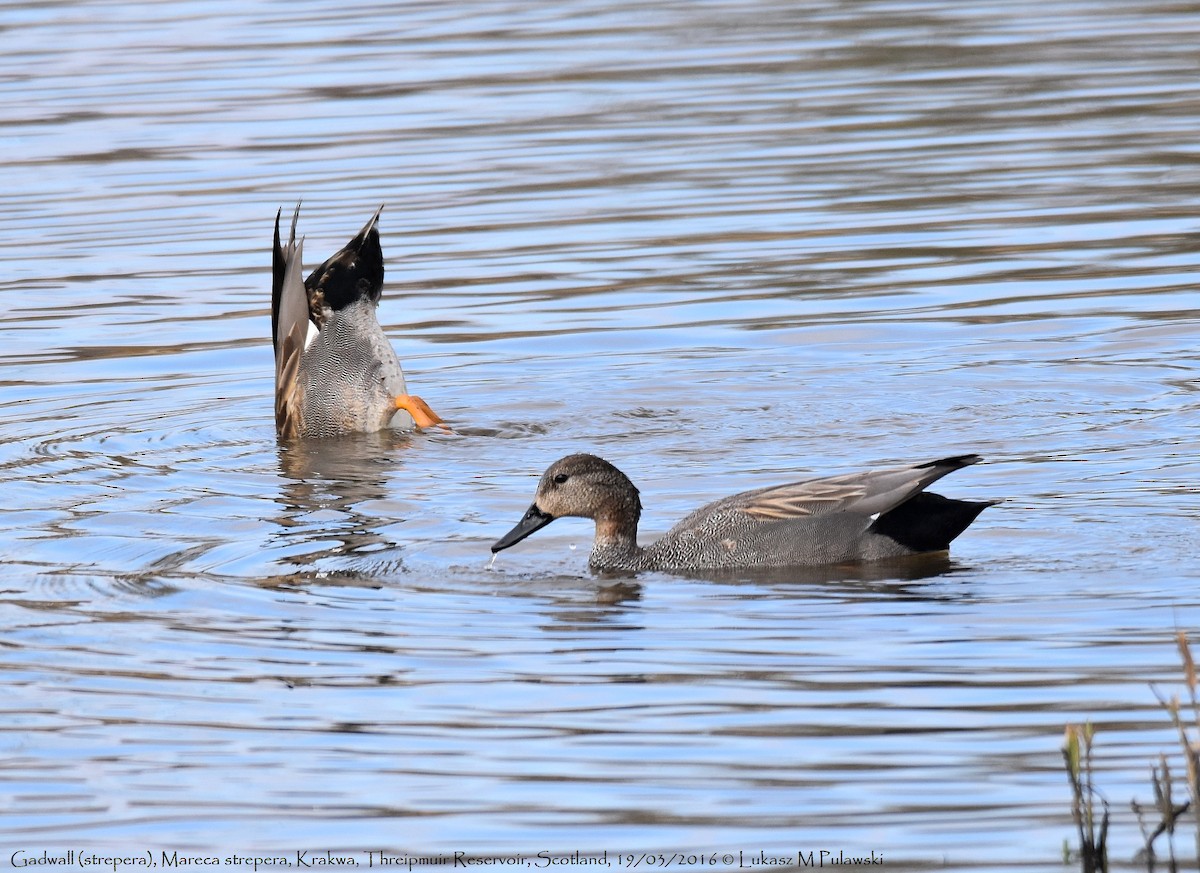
(723, 244)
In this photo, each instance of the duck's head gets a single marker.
(581, 486)
(354, 273)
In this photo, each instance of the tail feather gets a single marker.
(352, 273)
(929, 522)
(954, 462)
(289, 325)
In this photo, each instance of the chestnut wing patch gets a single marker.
(802, 500)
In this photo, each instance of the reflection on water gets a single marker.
(845, 577)
(722, 245)
(327, 485)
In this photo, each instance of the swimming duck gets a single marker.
(836, 519)
(335, 370)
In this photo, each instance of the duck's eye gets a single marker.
(561, 478)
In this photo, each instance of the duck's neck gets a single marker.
(615, 546)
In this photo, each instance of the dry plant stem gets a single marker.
(1168, 814)
(1077, 752)
(1189, 748)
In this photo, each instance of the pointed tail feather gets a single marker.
(955, 462)
(289, 326)
(279, 262)
(371, 222)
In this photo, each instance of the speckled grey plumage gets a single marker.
(864, 516)
(351, 376)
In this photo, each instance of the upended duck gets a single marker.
(335, 370)
(865, 516)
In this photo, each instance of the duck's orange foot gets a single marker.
(422, 415)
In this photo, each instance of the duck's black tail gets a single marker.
(929, 522)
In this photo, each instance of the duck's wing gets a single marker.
(289, 326)
(869, 493)
(281, 256)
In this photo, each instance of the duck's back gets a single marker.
(864, 516)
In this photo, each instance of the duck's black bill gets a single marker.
(534, 519)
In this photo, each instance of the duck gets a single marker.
(336, 372)
(850, 518)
